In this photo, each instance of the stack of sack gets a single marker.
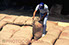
(16, 35)
(51, 25)
(9, 18)
(64, 37)
(20, 20)
(24, 35)
(23, 20)
(7, 32)
(2, 23)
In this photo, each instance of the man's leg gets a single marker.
(44, 26)
(40, 18)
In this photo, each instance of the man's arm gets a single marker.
(34, 13)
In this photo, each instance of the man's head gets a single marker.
(41, 5)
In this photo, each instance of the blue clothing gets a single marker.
(41, 14)
(43, 10)
(44, 22)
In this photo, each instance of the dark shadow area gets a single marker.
(59, 10)
(54, 15)
(1, 29)
(17, 12)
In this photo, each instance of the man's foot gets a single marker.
(43, 35)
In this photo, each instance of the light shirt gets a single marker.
(42, 10)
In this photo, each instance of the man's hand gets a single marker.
(34, 14)
(33, 18)
(43, 17)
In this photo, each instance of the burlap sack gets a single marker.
(62, 42)
(48, 38)
(25, 35)
(55, 32)
(66, 28)
(37, 30)
(27, 27)
(37, 18)
(29, 21)
(65, 34)
(53, 22)
(20, 20)
(8, 31)
(10, 18)
(40, 42)
(1, 17)
(2, 23)
(5, 35)
(50, 25)
(59, 28)
(11, 28)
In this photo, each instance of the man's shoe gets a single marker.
(43, 35)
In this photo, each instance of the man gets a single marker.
(44, 12)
